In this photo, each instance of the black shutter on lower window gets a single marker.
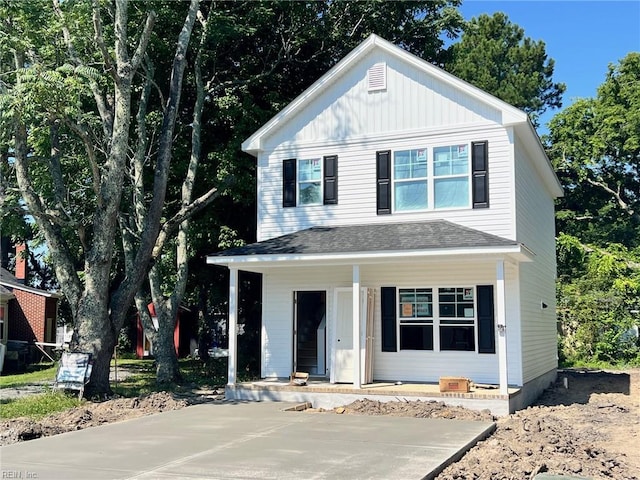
(383, 189)
(486, 320)
(480, 173)
(388, 308)
(289, 182)
(331, 180)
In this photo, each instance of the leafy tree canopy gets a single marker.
(494, 55)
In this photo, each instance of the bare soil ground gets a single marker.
(589, 430)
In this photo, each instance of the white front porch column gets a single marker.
(502, 327)
(233, 326)
(356, 326)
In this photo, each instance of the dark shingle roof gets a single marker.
(434, 234)
(9, 278)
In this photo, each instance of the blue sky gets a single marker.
(583, 37)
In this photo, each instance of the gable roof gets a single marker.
(511, 116)
(6, 294)
(382, 240)
(7, 279)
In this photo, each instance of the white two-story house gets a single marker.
(405, 233)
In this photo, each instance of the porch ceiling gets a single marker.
(374, 243)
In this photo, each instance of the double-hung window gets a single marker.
(410, 175)
(456, 315)
(451, 310)
(438, 318)
(432, 178)
(451, 176)
(416, 318)
(310, 181)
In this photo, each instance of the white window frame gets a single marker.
(431, 178)
(299, 182)
(436, 318)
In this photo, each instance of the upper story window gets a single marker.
(440, 177)
(443, 182)
(310, 182)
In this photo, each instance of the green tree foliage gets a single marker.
(595, 148)
(494, 55)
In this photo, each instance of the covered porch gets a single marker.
(321, 393)
(359, 258)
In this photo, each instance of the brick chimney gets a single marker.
(21, 262)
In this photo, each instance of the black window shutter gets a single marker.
(383, 191)
(480, 174)
(331, 180)
(289, 182)
(388, 308)
(486, 322)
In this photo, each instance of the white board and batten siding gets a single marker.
(403, 365)
(535, 227)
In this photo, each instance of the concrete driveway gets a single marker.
(246, 440)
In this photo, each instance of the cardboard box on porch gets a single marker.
(454, 384)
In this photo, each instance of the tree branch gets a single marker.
(105, 113)
(138, 55)
(99, 39)
(91, 154)
(616, 194)
(185, 212)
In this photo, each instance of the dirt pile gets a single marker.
(93, 414)
(416, 409)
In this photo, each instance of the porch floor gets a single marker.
(322, 385)
(321, 393)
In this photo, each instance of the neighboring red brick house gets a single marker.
(30, 312)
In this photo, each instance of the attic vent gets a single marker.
(377, 75)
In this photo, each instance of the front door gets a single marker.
(344, 337)
(309, 332)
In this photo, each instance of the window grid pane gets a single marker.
(415, 306)
(309, 181)
(410, 180)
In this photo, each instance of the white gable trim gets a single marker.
(510, 114)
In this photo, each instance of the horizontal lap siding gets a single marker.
(357, 186)
(277, 310)
(428, 366)
(280, 283)
(536, 229)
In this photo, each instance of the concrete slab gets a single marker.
(246, 440)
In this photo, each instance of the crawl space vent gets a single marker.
(377, 75)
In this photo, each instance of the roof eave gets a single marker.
(519, 253)
(35, 291)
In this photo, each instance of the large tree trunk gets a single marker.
(167, 368)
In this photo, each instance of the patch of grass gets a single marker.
(142, 378)
(37, 373)
(38, 406)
